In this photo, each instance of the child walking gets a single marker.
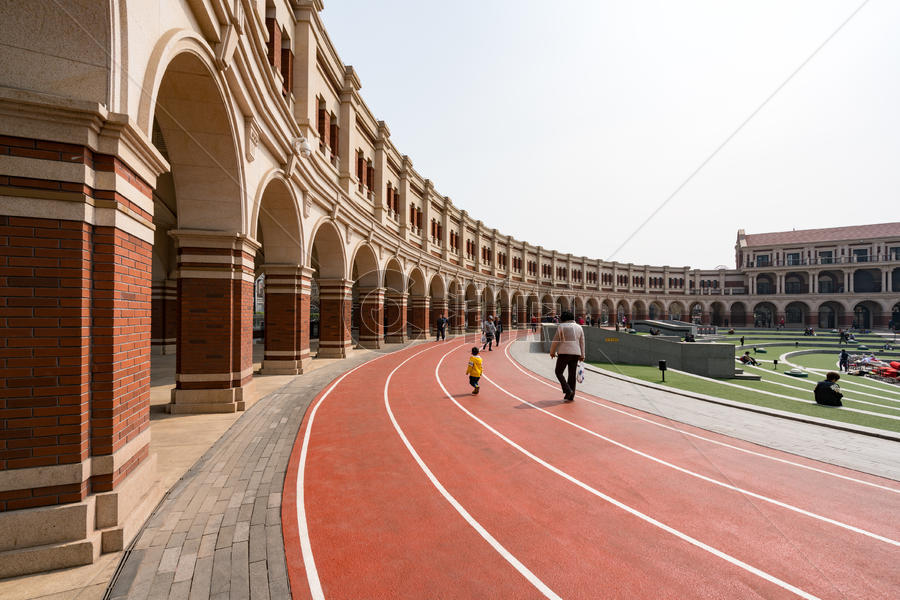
(474, 370)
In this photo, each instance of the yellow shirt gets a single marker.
(474, 369)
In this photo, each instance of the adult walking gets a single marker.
(489, 330)
(441, 328)
(533, 324)
(567, 348)
(498, 324)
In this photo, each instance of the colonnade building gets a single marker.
(158, 158)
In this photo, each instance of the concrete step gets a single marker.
(746, 376)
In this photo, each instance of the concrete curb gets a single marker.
(869, 431)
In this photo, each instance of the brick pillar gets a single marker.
(490, 309)
(473, 316)
(287, 319)
(845, 320)
(164, 316)
(458, 316)
(371, 317)
(419, 316)
(881, 320)
(506, 320)
(812, 319)
(438, 308)
(335, 304)
(395, 316)
(214, 368)
(522, 316)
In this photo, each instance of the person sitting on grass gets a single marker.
(749, 360)
(828, 392)
(474, 370)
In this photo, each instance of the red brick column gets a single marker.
(419, 316)
(335, 306)
(371, 317)
(473, 316)
(395, 315)
(845, 320)
(881, 320)
(164, 318)
(457, 316)
(506, 319)
(214, 368)
(522, 316)
(287, 319)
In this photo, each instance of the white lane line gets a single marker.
(723, 484)
(700, 437)
(792, 398)
(496, 545)
(309, 562)
(693, 541)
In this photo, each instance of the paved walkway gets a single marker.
(217, 533)
(852, 450)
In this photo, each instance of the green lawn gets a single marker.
(746, 394)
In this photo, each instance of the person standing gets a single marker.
(742, 340)
(488, 329)
(567, 348)
(441, 328)
(474, 370)
(498, 324)
(844, 361)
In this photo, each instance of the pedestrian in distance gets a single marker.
(533, 324)
(498, 324)
(567, 348)
(488, 330)
(742, 340)
(828, 392)
(474, 370)
(844, 361)
(441, 328)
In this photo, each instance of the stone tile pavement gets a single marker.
(217, 533)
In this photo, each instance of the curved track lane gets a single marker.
(409, 487)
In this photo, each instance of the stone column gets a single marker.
(335, 305)
(287, 319)
(419, 316)
(458, 316)
(164, 316)
(506, 319)
(395, 316)
(214, 367)
(371, 317)
(522, 316)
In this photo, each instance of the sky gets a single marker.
(568, 123)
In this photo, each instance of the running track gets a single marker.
(403, 485)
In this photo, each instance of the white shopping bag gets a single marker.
(579, 372)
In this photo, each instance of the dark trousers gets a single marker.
(498, 337)
(441, 333)
(488, 342)
(570, 362)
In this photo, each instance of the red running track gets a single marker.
(410, 487)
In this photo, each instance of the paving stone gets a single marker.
(202, 578)
(257, 543)
(241, 531)
(259, 581)
(240, 571)
(169, 560)
(180, 590)
(185, 569)
(159, 589)
(221, 571)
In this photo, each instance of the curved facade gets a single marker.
(157, 158)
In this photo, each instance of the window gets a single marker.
(861, 255)
(826, 257)
(793, 258)
(895, 253)
(762, 260)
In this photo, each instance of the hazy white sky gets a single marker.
(568, 123)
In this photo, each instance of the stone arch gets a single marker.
(638, 310)
(579, 308)
(866, 281)
(593, 308)
(419, 304)
(866, 315)
(332, 292)
(830, 282)
(548, 306)
(832, 315)
(796, 314)
(697, 313)
(656, 310)
(327, 258)
(368, 297)
(718, 315)
(395, 302)
(765, 315)
(276, 222)
(738, 312)
(416, 282)
(766, 284)
(796, 282)
(677, 311)
(623, 311)
(473, 308)
(607, 311)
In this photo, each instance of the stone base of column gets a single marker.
(396, 338)
(76, 534)
(284, 367)
(370, 343)
(212, 400)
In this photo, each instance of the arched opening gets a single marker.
(279, 313)
(504, 310)
(473, 308)
(831, 282)
(395, 303)
(201, 198)
(718, 314)
(580, 315)
(623, 313)
(895, 317)
(697, 313)
(865, 315)
(607, 312)
(796, 283)
(419, 305)
(738, 314)
(368, 298)
(457, 307)
(830, 315)
(676, 311)
(655, 311)
(638, 310)
(563, 303)
(548, 306)
(866, 281)
(332, 294)
(593, 308)
(796, 314)
(764, 315)
(437, 293)
(765, 284)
